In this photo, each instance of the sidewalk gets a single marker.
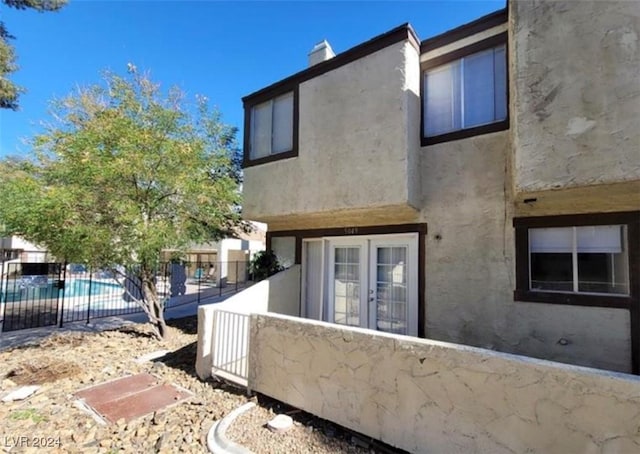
(12, 339)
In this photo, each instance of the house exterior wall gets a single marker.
(576, 109)
(338, 111)
(470, 266)
(573, 146)
(428, 396)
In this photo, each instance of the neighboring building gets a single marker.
(479, 187)
(16, 248)
(221, 261)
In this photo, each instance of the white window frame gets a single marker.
(574, 260)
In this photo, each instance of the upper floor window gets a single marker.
(271, 126)
(465, 95)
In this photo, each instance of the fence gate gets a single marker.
(31, 294)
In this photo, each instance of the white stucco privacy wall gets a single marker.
(279, 293)
(576, 97)
(432, 397)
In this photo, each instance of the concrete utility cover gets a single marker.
(131, 397)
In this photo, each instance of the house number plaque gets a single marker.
(350, 230)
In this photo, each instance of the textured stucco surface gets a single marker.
(352, 122)
(432, 397)
(470, 266)
(573, 145)
(576, 92)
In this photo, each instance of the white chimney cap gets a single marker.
(320, 52)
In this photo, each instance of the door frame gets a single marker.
(420, 228)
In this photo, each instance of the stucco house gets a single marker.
(480, 187)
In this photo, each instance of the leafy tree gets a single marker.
(9, 92)
(122, 173)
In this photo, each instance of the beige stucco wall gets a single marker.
(279, 293)
(353, 122)
(432, 397)
(573, 145)
(575, 93)
(470, 266)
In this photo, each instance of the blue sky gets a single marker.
(222, 50)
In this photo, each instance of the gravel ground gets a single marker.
(64, 363)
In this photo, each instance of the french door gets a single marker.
(372, 282)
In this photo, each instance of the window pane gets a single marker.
(600, 238)
(283, 124)
(261, 130)
(478, 89)
(500, 83)
(391, 293)
(442, 89)
(551, 271)
(346, 286)
(603, 263)
(555, 239)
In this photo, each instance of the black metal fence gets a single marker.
(46, 294)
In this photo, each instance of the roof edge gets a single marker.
(471, 28)
(395, 35)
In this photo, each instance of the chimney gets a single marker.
(320, 52)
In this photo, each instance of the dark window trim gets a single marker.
(479, 25)
(631, 302)
(523, 293)
(420, 229)
(488, 43)
(247, 161)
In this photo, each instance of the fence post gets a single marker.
(61, 287)
(200, 274)
(220, 279)
(2, 297)
(237, 276)
(89, 302)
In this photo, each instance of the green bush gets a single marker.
(264, 264)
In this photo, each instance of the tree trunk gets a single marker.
(155, 309)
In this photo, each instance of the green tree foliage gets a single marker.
(9, 92)
(264, 264)
(123, 172)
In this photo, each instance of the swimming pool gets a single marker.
(86, 287)
(29, 288)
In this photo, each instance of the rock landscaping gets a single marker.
(65, 363)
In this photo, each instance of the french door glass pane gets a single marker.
(283, 124)
(478, 89)
(261, 130)
(391, 289)
(346, 286)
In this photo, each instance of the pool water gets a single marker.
(30, 289)
(85, 287)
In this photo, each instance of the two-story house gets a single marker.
(480, 187)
